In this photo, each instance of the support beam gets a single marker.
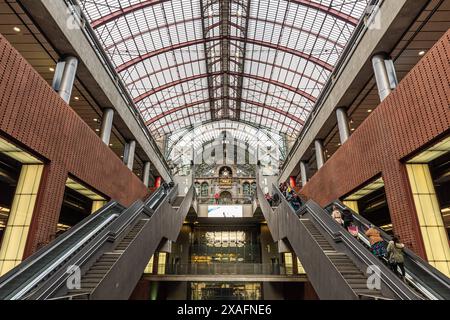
(64, 77)
(128, 154)
(343, 124)
(303, 172)
(107, 122)
(385, 76)
(146, 174)
(320, 154)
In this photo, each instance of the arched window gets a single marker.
(246, 188)
(204, 191)
(253, 188)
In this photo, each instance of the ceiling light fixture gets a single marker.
(17, 29)
(51, 69)
(422, 53)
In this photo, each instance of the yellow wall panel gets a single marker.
(16, 232)
(429, 215)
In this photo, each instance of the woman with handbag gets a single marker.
(396, 256)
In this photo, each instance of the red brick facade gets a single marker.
(33, 115)
(417, 113)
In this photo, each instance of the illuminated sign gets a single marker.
(225, 211)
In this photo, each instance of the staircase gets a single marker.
(101, 267)
(345, 266)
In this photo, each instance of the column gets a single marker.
(19, 221)
(128, 154)
(64, 77)
(385, 76)
(320, 154)
(146, 175)
(303, 172)
(107, 123)
(431, 224)
(343, 124)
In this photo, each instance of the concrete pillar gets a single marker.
(303, 174)
(343, 124)
(385, 75)
(146, 175)
(320, 154)
(107, 123)
(64, 77)
(128, 154)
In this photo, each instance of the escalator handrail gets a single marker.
(336, 233)
(130, 214)
(390, 279)
(333, 233)
(24, 289)
(113, 230)
(409, 254)
(44, 251)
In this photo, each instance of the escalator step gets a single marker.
(351, 272)
(356, 281)
(368, 292)
(351, 277)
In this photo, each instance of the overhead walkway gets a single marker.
(420, 275)
(337, 265)
(111, 248)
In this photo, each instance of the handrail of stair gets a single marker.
(419, 262)
(389, 278)
(113, 232)
(61, 259)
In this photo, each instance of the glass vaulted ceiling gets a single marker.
(258, 62)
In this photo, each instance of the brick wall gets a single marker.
(33, 115)
(415, 114)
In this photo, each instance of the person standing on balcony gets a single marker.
(216, 198)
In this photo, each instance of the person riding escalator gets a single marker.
(396, 257)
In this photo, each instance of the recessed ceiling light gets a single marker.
(369, 111)
(95, 119)
(77, 98)
(51, 69)
(422, 53)
(110, 144)
(98, 130)
(17, 29)
(339, 144)
(353, 129)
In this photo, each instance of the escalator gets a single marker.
(338, 266)
(102, 257)
(420, 275)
